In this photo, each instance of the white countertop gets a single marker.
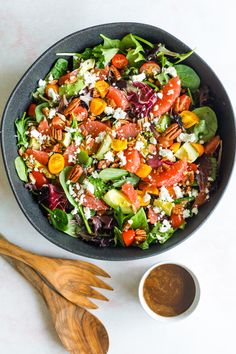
(27, 28)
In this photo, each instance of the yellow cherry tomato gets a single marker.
(56, 164)
(102, 87)
(119, 145)
(143, 171)
(175, 147)
(97, 106)
(189, 119)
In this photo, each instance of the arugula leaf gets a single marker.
(59, 69)
(139, 220)
(21, 169)
(189, 78)
(140, 39)
(162, 50)
(120, 217)
(118, 239)
(21, 127)
(38, 111)
(110, 43)
(62, 179)
(99, 185)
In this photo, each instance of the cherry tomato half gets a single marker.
(128, 237)
(150, 68)
(120, 61)
(41, 156)
(176, 220)
(40, 179)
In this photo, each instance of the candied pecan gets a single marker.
(57, 148)
(212, 145)
(171, 133)
(45, 111)
(178, 209)
(115, 72)
(71, 106)
(140, 236)
(58, 121)
(103, 164)
(56, 134)
(75, 173)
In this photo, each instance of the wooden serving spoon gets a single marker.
(73, 279)
(80, 332)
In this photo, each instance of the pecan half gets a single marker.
(115, 72)
(171, 133)
(178, 209)
(140, 236)
(75, 173)
(103, 164)
(71, 106)
(56, 134)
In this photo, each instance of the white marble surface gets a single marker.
(27, 28)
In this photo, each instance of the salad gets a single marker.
(119, 144)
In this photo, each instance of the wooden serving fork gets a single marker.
(73, 279)
(79, 331)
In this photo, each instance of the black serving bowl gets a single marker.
(19, 101)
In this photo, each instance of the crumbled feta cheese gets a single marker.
(81, 199)
(71, 190)
(168, 154)
(130, 222)
(139, 145)
(166, 226)
(70, 130)
(74, 211)
(119, 114)
(42, 83)
(156, 107)
(108, 110)
(146, 125)
(153, 140)
(88, 186)
(95, 174)
(122, 158)
(146, 197)
(195, 210)
(109, 156)
(77, 140)
(86, 98)
(90, 79)
(194, 193)
(138, 78)
(178, 192)
(187, 138)
(51, 113)
(160, 95)
(100, 137)
(186, 213)
(170, 70)
(170, 92)
(87, 213)
(164, 195)
(156, 209)
(50, 78)
(35, 133)
(71, 158)
(52, 94)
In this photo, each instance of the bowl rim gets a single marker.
(182, 315)
(100, 256)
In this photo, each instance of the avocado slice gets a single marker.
(165, 206)
(104, 147)
(66, 139)
(187, 151)
(34, 144)
(115, 199)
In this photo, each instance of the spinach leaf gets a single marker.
(59, 69)
(62, 221)
(71, 89)
(139, 220)
(99, 185)
(133, 179)
(118, 239)
(38, 111)
(189, 78)
(121, 217)
(199, 129)
(21, 127)
(110, 43)
(206, 114)
(110, 174)
(62, 179)
(21, 169)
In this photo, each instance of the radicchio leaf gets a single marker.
(141, 98)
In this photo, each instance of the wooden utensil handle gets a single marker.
(29, 274)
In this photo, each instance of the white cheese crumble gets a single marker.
(186, 213)
(100, 137)
(170, 70)
(52, 94)
(74, 211)
(146, 125)
(170, 92)
(122, 158)
(178, 192)
(168, 154)
(138, 78)
(95, 174)
(164, 195)
(139, 145)
(72, 158)
(160, 95)
(90, 79)
(130, 222)
(187, 138)
(153, 140)
(119, 114)
(86, 98)
(156, 210)
(88, 186)
(50, 78)
(195, 210)
(77, 140)
(109, 156)
(146, 197)
(71, 190)
(108, 110)
(42, 83)
(87, 213)
(70, 130)
(51, 113)
(166, 226)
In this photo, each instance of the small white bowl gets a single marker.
(153, 314)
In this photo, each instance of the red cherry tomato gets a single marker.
(93, 128)
(80, 113)
(91, 202)
(132, 160)
(31, 110)
(41, 156)
(169, 177)
(176, 220)
(182, 103)
(170, 92)
(119, 97)
(70, 150)
(68, 78)
(128, 237)
(131, 194)
(40, 179)
(150, 68)
(120, 61)
(43, 127)
(129, 130)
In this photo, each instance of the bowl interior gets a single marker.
(20, 98)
